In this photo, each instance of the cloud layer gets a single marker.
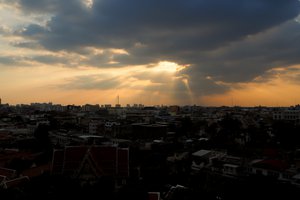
(223, 42)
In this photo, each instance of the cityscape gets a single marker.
(149, 99)
(149, 152)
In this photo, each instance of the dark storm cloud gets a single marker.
(34, 31)
(230, 41)
(163, 26)
(244, 60)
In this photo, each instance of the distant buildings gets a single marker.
(287, 114)
(170, 145)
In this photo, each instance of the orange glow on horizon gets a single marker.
(279, 90)
(46, 84)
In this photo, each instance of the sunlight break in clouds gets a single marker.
(166, 66)
(88, 3)
(165, 52)
(141, 84)
(156, 82)
(188, 88)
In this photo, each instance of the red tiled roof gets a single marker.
(36, 171)
(57, 161)
(123, 162)
(105, 159)
(153, 196)
(72, 158)
(8, 154)
(5, 136)
(270, 152)
(272, 164)
(16, 182)
(9, 173)
(108, 161)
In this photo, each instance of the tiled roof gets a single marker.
(73, 156)
(201, 153)
(272, 164)
(36, 171)
(57, 161)
(8, 154)
(123, 163)
(104, 160)
(153, 196)
(16, 182)
(9, 173)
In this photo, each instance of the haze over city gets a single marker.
(204, 52)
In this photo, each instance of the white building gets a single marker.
(291, 115)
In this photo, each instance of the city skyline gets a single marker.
(209, 53)
(136, 105)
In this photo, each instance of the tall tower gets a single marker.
(118, 105)
(0, 101)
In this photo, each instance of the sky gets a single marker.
(153, 52)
